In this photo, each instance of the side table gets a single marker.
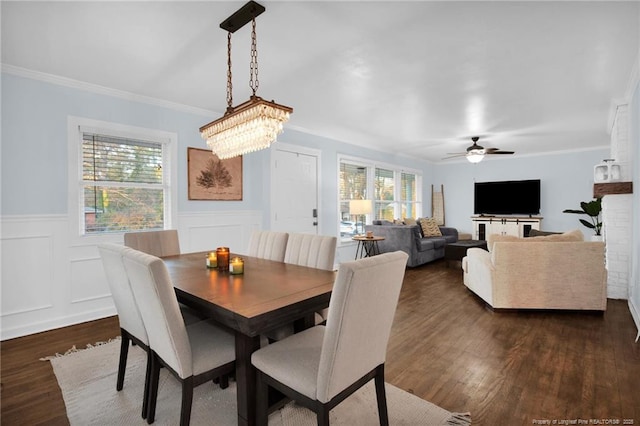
(456, 251)
(367, 246)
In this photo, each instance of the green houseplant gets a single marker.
(592, 209)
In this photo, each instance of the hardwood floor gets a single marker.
(506, 368)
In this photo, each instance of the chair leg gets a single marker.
(224, 381)
(381, 396)
(153, 388)
(122, 365)
(147, 381)
(262, 400)
(323, 415)
(187, 400)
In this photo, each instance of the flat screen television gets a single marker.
(507, 197)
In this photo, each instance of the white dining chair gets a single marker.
(269, 245)
(132, 328)
(157, 243)
(160, 244)
(193, 354)
(323, 365)
(314, 251)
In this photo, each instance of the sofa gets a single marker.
(409, 239)
(549, 272)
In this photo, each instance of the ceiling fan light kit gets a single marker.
(254, 124)
(473, 157)
(475, 153)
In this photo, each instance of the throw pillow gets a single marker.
(398, 222)
(409, 221)
(430, 227)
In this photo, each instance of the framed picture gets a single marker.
(211, 178)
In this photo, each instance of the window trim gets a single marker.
(76, 126)
(371, 166)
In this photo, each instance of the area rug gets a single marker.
(87, 379)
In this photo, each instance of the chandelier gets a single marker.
(254, 124)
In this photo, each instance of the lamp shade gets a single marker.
(360, 207)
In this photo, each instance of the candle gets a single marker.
(222, 254)
(236, 266)
(212, 260)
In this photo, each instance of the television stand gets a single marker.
(518, 226)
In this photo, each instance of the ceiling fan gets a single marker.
(475, 153)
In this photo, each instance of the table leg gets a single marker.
(246, 378)
(303, 323)
(376, 249)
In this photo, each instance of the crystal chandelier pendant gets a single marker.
(249, 127)
(252, 125)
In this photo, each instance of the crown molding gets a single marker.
(103, 90)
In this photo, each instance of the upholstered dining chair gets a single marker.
(156, 243)
(132, 328)
(323, 365)
(314, 251)
(269, 245)
(160, 244)
(193, 354)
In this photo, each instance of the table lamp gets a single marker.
(360, 208)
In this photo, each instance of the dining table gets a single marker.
(266, 296)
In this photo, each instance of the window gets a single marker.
(123, 179)
(385, 194)
(409, 203)
(396, 193)
(353, 186)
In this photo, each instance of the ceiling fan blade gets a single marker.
(454, 155)
(500, 152)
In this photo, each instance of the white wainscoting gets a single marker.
(49, 280)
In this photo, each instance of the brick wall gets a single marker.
(616, 213)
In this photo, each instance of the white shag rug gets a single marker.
(87, 379)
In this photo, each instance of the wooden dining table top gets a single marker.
(267, 295)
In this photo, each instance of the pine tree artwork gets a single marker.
(215, 175)
(211, 178)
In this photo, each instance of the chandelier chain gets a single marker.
(253, 79)
(229, 80)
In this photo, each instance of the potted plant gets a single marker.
(592, 209)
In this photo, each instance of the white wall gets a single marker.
(50, 277)
(47, 281)
(566, 179)
(634, 131)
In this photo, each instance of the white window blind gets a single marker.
(122, 184)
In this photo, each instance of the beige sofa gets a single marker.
(553, 272)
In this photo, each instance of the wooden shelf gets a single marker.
(601, 189)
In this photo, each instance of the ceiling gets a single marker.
(417, 78)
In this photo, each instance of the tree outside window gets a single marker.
(123, 184)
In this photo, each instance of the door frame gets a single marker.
(282, 146)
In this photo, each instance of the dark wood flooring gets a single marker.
(506, 368)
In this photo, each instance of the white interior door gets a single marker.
(294, 202)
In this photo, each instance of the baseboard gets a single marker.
(635, 313)
(33, 328)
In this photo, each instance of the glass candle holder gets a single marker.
(212, 259)
(236, 266)
(222, 253)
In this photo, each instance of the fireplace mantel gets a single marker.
(602, 189)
